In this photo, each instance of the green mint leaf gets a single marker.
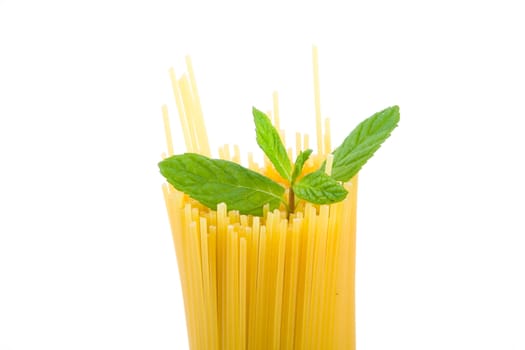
(213, 181)
(319, 188)
(299, 163)
(270, 142)
(362, 143)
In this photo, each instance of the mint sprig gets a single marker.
(214, 181)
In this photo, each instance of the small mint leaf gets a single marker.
(319, 188)
(270, 142)
(299, 163)
(214, 181)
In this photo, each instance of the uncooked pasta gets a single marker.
(279, 281)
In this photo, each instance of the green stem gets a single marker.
(291, 200)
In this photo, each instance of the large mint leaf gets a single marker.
(362, 143)
(213, 181)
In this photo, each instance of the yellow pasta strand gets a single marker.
(327, 138)
(309, 260)
(287, 342)
(329, 164)
(206, 282)
(180, 109)
(189, 111)
(255, 272)
(167, 129)
(317, 100)
(281, 238)
(236, 154)
(212, 247)
(306, 141)
(200, 127)
(242, 293)
(298, 140)
(260, 328)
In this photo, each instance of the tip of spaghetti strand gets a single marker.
(329, 163)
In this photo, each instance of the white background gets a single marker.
(86, 258)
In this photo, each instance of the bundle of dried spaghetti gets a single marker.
(278, 281)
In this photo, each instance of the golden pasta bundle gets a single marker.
(270, 282)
